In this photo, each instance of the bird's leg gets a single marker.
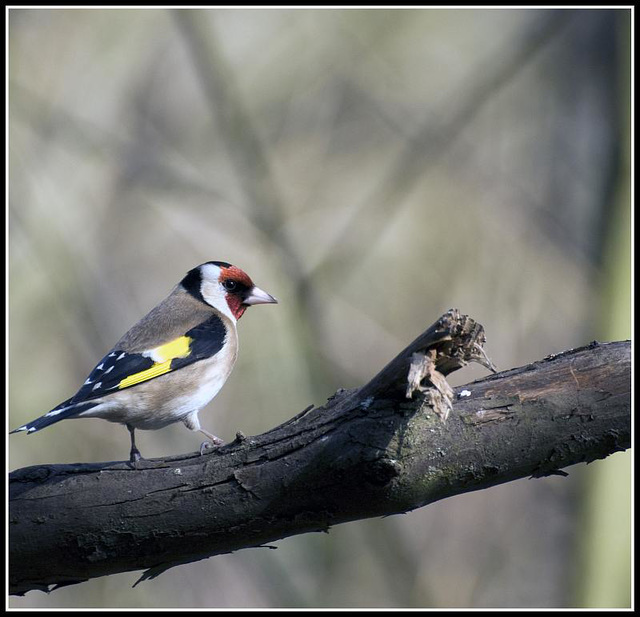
(134, 455)
(192, 422)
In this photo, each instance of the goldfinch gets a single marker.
(172, 362)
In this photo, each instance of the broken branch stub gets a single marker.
(440, 396)
(452, 342)
(464, 345)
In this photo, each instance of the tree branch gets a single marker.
(367, 452)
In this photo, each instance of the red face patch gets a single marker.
(235, 299)
(236, 306)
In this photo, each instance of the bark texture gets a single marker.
(367, 452)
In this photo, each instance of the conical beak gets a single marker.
(257, 296)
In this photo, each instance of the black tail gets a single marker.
(62, 411)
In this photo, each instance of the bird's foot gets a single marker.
(212, 443)
(135, 456)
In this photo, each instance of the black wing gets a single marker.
(119, 370)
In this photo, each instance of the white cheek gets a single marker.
(215, 295)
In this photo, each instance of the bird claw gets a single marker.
(135, 456)
(210, 445)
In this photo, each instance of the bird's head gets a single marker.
(225, 287)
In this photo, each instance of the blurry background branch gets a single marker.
(366, 453)
(433, 138)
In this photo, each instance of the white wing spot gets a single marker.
(108, 370)
(55, 412)
(96, 386)
(122, 355)
(100, 366)
(32, 429)
(113, 353)
(86, 383)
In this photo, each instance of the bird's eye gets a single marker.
(230, 285)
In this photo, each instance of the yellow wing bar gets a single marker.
(155, 371)
(162, 355)
(177, 348)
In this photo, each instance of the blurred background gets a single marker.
(371, 169)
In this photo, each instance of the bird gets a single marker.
(172, 362)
